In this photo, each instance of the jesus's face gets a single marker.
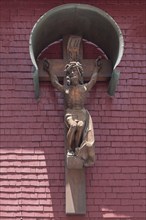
(74, 76)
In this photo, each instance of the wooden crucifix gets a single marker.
(79, 138)
(73, 51)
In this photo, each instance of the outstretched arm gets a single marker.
(53, 77)
(94, 76)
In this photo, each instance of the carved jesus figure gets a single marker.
(80, 134)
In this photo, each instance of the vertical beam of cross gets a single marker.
(75, 188)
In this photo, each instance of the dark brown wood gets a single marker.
(72, 48)
(74, 170)
(88, 66)
(75, 192)
(75, 173)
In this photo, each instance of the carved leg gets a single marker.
(71, 137)
(79, 132)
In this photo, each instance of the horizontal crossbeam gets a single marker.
(58, 66)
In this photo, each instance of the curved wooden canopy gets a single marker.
(91, 23)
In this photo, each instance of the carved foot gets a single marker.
(70, 153)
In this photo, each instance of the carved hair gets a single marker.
(68, 69)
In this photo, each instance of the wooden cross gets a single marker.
(74, 170)
(73, 51)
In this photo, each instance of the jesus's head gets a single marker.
(74, 73)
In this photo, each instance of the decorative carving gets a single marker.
(80, 133)
(73, 48)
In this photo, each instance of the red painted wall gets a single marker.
(32, 183)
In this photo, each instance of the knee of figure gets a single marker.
(73, 126)
(89, 145)
(80, 124)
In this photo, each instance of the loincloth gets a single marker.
(76, 115)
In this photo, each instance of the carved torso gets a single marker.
(75, 96)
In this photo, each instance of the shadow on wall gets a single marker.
(33, 187)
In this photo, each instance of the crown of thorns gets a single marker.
(72, 65)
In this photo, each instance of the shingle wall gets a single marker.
(32, 179)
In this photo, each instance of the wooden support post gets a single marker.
(75, 191)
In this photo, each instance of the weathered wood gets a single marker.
(75, 192)
(72, 48)
(88, 66)
(74, 170)
(73, 162)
